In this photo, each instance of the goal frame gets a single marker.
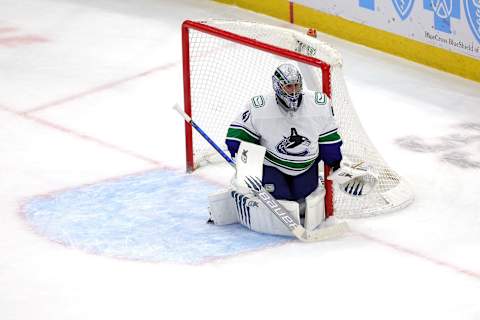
(292, 55)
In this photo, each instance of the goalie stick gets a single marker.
(269, 201)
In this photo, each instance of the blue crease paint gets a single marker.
(157, 216)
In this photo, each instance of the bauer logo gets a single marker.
(252, 203)
(244, 156)
(443, 11)
(403, 7)
(472, 11)
(270, 187)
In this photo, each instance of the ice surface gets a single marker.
(156, 216)
(86, 123)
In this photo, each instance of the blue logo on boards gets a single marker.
(472, 10)
(403, 7)
(367, 4)
(443, 11)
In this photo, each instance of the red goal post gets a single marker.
(227, 62)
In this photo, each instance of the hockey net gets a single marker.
(228, 62)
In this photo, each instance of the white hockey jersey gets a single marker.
(291, 138)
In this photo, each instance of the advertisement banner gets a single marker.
(453, 25)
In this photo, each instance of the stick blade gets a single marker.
(328, 232)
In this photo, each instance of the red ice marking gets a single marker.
(16, 41)
(475, 275)
(26, 115)
(82, 136)
(8, 29)
(99, 88)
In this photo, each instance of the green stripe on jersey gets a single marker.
(241, 134)
(291, 165)
(330, 138)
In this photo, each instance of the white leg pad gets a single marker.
(254, 215)
(229, 206)
(222, 208)
(315, 209)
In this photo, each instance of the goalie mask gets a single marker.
(287, 84)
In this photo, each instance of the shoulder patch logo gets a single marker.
(320, 98)
(258, 101)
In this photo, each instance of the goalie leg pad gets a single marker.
(222, 208)
(254, 215)
(229, 206)
(315, 209)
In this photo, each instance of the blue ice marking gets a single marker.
(156, 216)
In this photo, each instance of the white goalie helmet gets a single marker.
(288, 86)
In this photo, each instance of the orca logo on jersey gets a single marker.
(294, 145)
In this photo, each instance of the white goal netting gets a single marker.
(224, 74)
